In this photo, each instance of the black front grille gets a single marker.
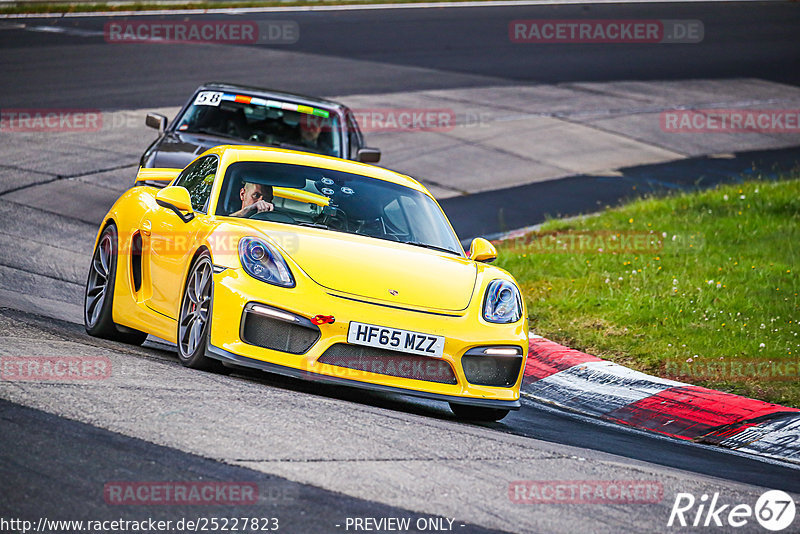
(482, 370)
(389, 362)
(279, 335)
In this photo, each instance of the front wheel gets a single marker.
(194, 321)
(478, 413)
(98, 298)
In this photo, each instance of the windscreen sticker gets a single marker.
(208, 98)
(255, 101)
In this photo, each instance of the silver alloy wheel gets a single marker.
(97, 285)
(195, 308)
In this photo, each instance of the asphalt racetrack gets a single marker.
(321, 456)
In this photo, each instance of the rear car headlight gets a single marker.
(503, 303)
(263, 262)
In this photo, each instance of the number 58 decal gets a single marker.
(208, 98)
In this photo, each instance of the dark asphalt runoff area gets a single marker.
(350, 52)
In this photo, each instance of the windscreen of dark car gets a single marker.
(263, 121)
(340, 201)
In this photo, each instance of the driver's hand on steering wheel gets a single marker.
(260, 206)
(256, 207)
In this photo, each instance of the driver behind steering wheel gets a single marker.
(256, 198)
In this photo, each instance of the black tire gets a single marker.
(98, 296)
(478, 413)
(194, 317)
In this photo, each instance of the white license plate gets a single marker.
(384, 337)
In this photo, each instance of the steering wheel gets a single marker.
(333, 217)
(232, 129)
(273, 216)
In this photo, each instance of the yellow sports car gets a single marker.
(313, 267)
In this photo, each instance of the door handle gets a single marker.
(146, 227)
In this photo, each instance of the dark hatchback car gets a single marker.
(224, 114)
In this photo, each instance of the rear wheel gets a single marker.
(477, 413)
(194, 320)
(98, 301)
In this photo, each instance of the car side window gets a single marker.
(198, 179)
(355, 140)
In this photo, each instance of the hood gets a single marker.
(374, 269)
(176, 149)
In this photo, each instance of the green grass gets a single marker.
(717, 287)
(89, 7)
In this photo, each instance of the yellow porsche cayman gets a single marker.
(312, 267)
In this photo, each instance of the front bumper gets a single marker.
(225, 356)
(463, 331)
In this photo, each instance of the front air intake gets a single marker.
(277, 334)
(499, 371)
(389, 362)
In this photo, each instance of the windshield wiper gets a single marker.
(211, 132)
(290, 146)
(314, 225)
(432, 247)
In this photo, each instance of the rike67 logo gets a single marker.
(774, 511)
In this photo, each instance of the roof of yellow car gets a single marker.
(280, 155)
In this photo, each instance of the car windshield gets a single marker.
(263, 121)
(336, 201)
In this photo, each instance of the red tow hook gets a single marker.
(323, 319)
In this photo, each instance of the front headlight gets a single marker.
(263, 262)
(503, 303)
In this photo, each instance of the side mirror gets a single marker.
(157, 121)
(482, 250)
(369, 155)
(177, 199)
